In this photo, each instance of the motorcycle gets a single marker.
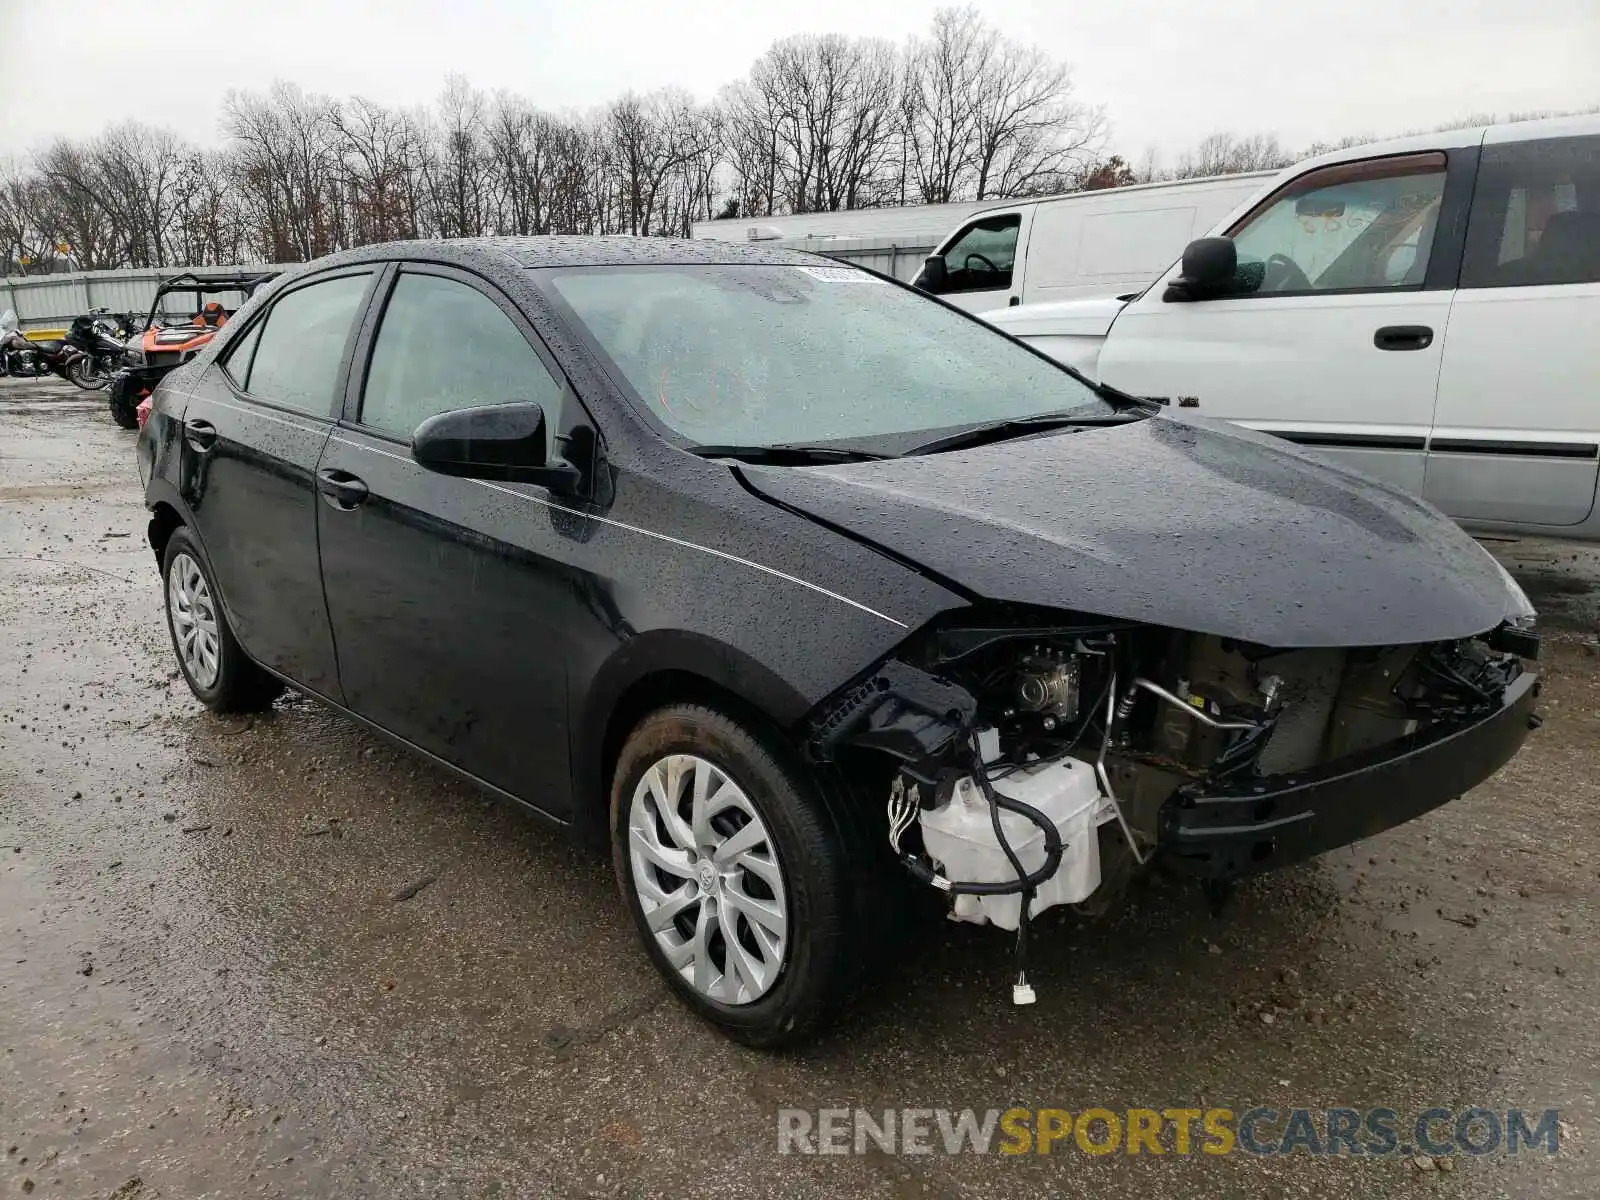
(19, 358)
(102, 336)
(22, 359)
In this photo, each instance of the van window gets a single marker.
(1535, 215)
(982, 255)
(1361, 226)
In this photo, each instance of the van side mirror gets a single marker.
(492, 441)
(1209, 265)
(934, 274)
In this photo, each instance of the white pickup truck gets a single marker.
(1427, 310)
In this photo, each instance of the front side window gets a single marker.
(982, 256)
(301, 345)
(1535, 215)
(767, 355)
(1363, 226)
(442, 346)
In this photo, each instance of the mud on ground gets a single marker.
(219, 975)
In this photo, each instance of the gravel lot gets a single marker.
(209, 988)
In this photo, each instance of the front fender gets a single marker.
(657, 653)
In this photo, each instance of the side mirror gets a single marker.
(1209, 265)
(933, 275)
(494, 441)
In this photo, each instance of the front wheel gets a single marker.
(124, 409)
(218, 672)
(88, 373)
(738, 879)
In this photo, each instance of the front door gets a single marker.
(1332, 331)
(983, 270)
(254, 428)
(449, 598)
(1517, 436)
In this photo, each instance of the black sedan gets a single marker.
(803, 589)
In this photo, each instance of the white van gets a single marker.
(1427, 310)
(1083, 244)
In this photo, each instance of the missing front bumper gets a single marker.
(1259, 826)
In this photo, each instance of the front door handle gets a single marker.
(342, 489)
(1403, 337)
(200, 434)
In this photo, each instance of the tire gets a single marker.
(218, 672)
(85, 373)
(801, 864)
(125, 415)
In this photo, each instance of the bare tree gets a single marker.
(1226, 154)
(816, 127)
(286, 169)
(938, 109)
(381, 153)
(456, 172)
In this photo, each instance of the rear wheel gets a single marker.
(739, 880)
(218, 672)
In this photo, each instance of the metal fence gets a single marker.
(881, 254)
(51, 301)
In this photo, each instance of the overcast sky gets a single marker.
(1167, 71)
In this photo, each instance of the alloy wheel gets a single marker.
(194, 620)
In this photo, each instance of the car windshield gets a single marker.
(765, 355)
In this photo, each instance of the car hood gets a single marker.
(1059, 318)
(1185, 523)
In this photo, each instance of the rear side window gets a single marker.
(1360, 226)
(237, 362)
(1535, 215)
(444, 345)
(301, 345)
(982, 256)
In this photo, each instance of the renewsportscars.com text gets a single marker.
(1260, 1131)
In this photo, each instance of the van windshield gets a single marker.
(764, 355)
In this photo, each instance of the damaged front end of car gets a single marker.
(1042, 759)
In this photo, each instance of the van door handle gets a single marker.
(200, 434)
(342, 489)
(1403, 337)
(1013, 302)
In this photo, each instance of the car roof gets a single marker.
(565, 251)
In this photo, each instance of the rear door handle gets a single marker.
(200, 434)
(1403, 337)
(342, 489)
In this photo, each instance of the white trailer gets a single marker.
(1079, 243)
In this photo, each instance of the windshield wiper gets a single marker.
(790, 455)
(1014, 427)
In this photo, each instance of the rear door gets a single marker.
(452, 599)
(254, 429)
(1332, 333)
(1517, 434)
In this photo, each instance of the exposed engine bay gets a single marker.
(1045, 764)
